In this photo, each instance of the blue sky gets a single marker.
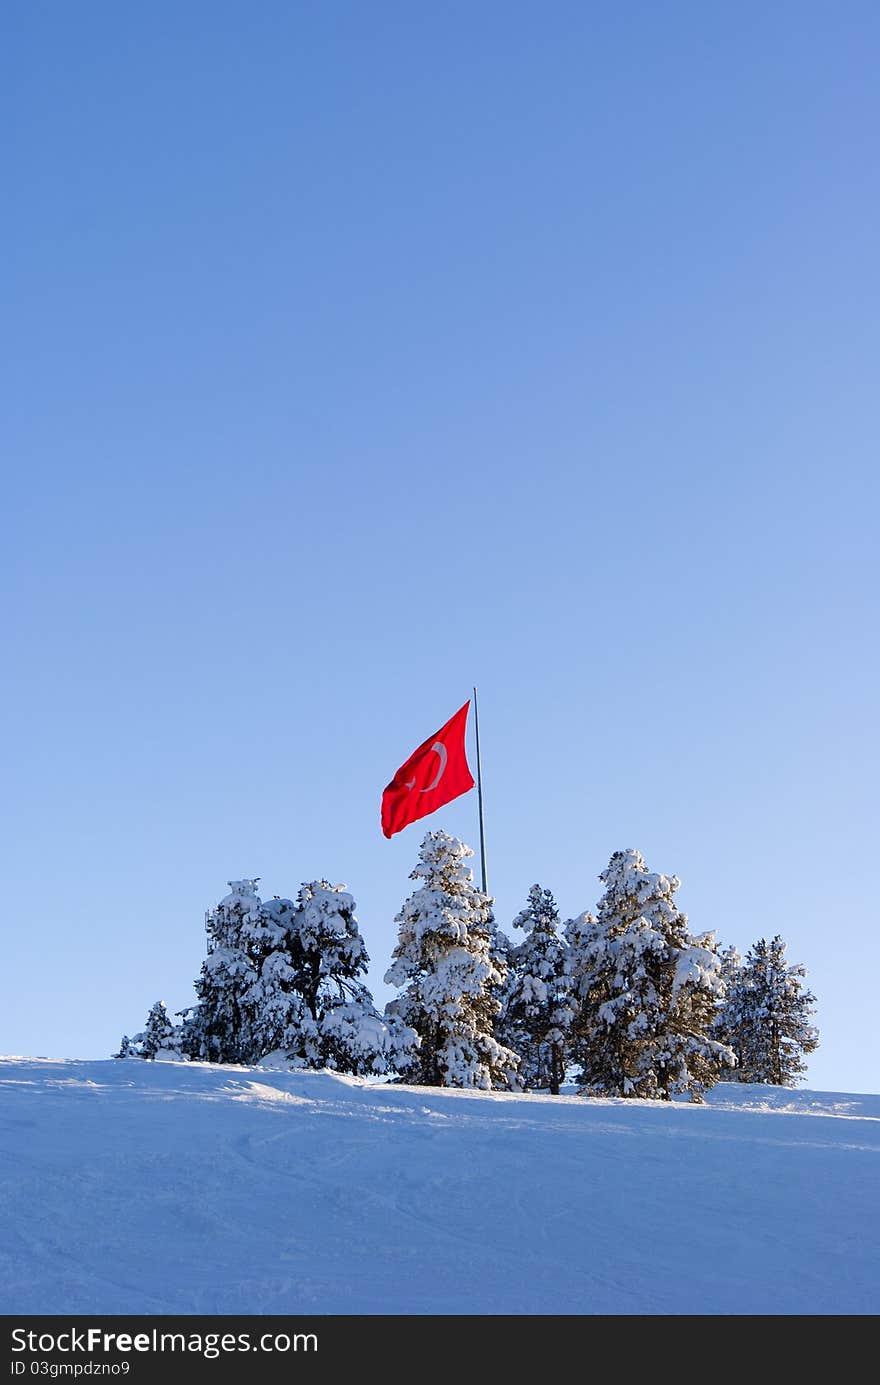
(355, 354)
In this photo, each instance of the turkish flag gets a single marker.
(433, 775)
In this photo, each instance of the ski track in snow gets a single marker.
(152, 1188)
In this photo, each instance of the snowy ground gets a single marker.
(132, 1187)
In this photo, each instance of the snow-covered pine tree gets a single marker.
(281, 1021)
(536, 1007)
(450, 963)
(126, 1049)
(160, 1035)
(601, 1050)
(766, 1018)
(308, 1001)
(219, 1027)
(731, 968)
(647, 990)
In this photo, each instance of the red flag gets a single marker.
(433, 775)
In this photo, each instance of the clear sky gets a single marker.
(357, 353)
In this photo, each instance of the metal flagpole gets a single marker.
(480, 794)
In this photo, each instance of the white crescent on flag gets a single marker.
(440, 749)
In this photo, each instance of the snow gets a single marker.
(243, 895)
(145, 1188)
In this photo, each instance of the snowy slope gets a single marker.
(132, 1187)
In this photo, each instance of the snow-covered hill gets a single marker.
(132, 1187)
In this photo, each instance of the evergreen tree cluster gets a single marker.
(628, 1001)
(766, 1015)
(282, 979)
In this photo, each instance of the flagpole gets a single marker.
(480, 794)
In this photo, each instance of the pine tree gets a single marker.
(766, 1018)
(646, 989)
(160, 1034)
(281, 1021)
(126, 1049)
(219, 1028)
(450, 961)
(731, 966)
(309, 1001)
(536, 1008)
(731, 970)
